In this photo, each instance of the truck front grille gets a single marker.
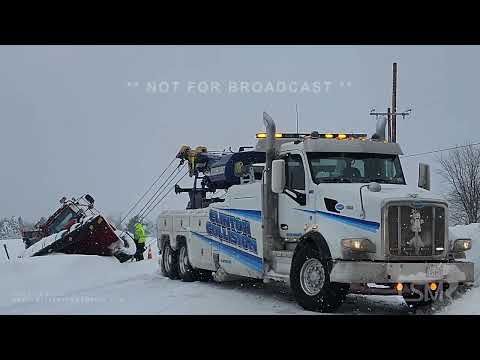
(415, 229)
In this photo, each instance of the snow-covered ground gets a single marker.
(468, 304)
(15, 248)
(471, 231)
(80, 284)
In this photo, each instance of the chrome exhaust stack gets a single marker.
(380, 129)
(271, 236)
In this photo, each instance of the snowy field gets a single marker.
(80, 284)
(15, 247)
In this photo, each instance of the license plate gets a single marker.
(435, 270)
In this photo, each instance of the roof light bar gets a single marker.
(281, 135)
(343, 136)
(338, 136)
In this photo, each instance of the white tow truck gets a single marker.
(326, 213)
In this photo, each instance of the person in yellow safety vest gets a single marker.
(139, 241)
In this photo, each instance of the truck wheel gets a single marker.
(185, 269)
(310, 281)
(162, 263)
(169, 262)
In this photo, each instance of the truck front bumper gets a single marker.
(393, 272)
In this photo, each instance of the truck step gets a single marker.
(282, 253)
(282, 261)
(272, 275)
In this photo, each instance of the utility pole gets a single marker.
(394, 104)
(389, 122)
(391, 113)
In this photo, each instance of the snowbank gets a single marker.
(86, 284)
(57, 282)
(15, 248)
(468, 304)
(471, 231)
(46, 241)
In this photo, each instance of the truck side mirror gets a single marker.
(278, 176)
(424, 176)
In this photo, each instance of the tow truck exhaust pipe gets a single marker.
(271, 238)
(380, 129)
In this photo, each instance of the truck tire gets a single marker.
(310, 281)
(169, 261)
(163, 271)
(185, 270)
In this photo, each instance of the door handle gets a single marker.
(284, 226)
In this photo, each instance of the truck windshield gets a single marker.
(355, 168)
(62, 220)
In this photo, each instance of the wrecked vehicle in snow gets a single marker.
(78, 228)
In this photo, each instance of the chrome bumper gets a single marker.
(389, 272)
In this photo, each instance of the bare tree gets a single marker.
(461, 171)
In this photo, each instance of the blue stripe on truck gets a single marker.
(247, 259)
(359, 223)
(255, 215)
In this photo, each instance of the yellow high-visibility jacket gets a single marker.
(139, 233)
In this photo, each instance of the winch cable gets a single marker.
(173, 187)
(159, 191)
(163, 197)
(173, 172)
(151, 208)
(146, 192)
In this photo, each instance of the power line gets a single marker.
(440, 150)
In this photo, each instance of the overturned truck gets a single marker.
(78, 228)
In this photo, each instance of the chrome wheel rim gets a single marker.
(168, 258)
(183, 261)
(312, 277)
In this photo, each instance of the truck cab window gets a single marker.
(294, 172)
(355, 168)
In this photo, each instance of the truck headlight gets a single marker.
(359, 245)
(461, 245)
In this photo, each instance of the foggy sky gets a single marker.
(78, 119)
